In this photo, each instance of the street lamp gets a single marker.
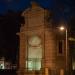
(63, 28)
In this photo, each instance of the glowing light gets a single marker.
(62, 28)
(2, 66)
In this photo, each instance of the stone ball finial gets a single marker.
(34, 4)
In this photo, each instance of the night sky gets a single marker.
(10, 20)
(62, 8)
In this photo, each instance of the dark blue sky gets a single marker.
(61, 8)
(18, 5)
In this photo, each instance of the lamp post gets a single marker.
(66, 50)
(66, 45)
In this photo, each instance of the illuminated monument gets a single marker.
(40, 52)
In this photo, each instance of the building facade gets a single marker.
(4, 65)
(41, 50)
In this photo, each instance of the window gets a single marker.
(60, 46)
(33, 64)
(34, 53)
